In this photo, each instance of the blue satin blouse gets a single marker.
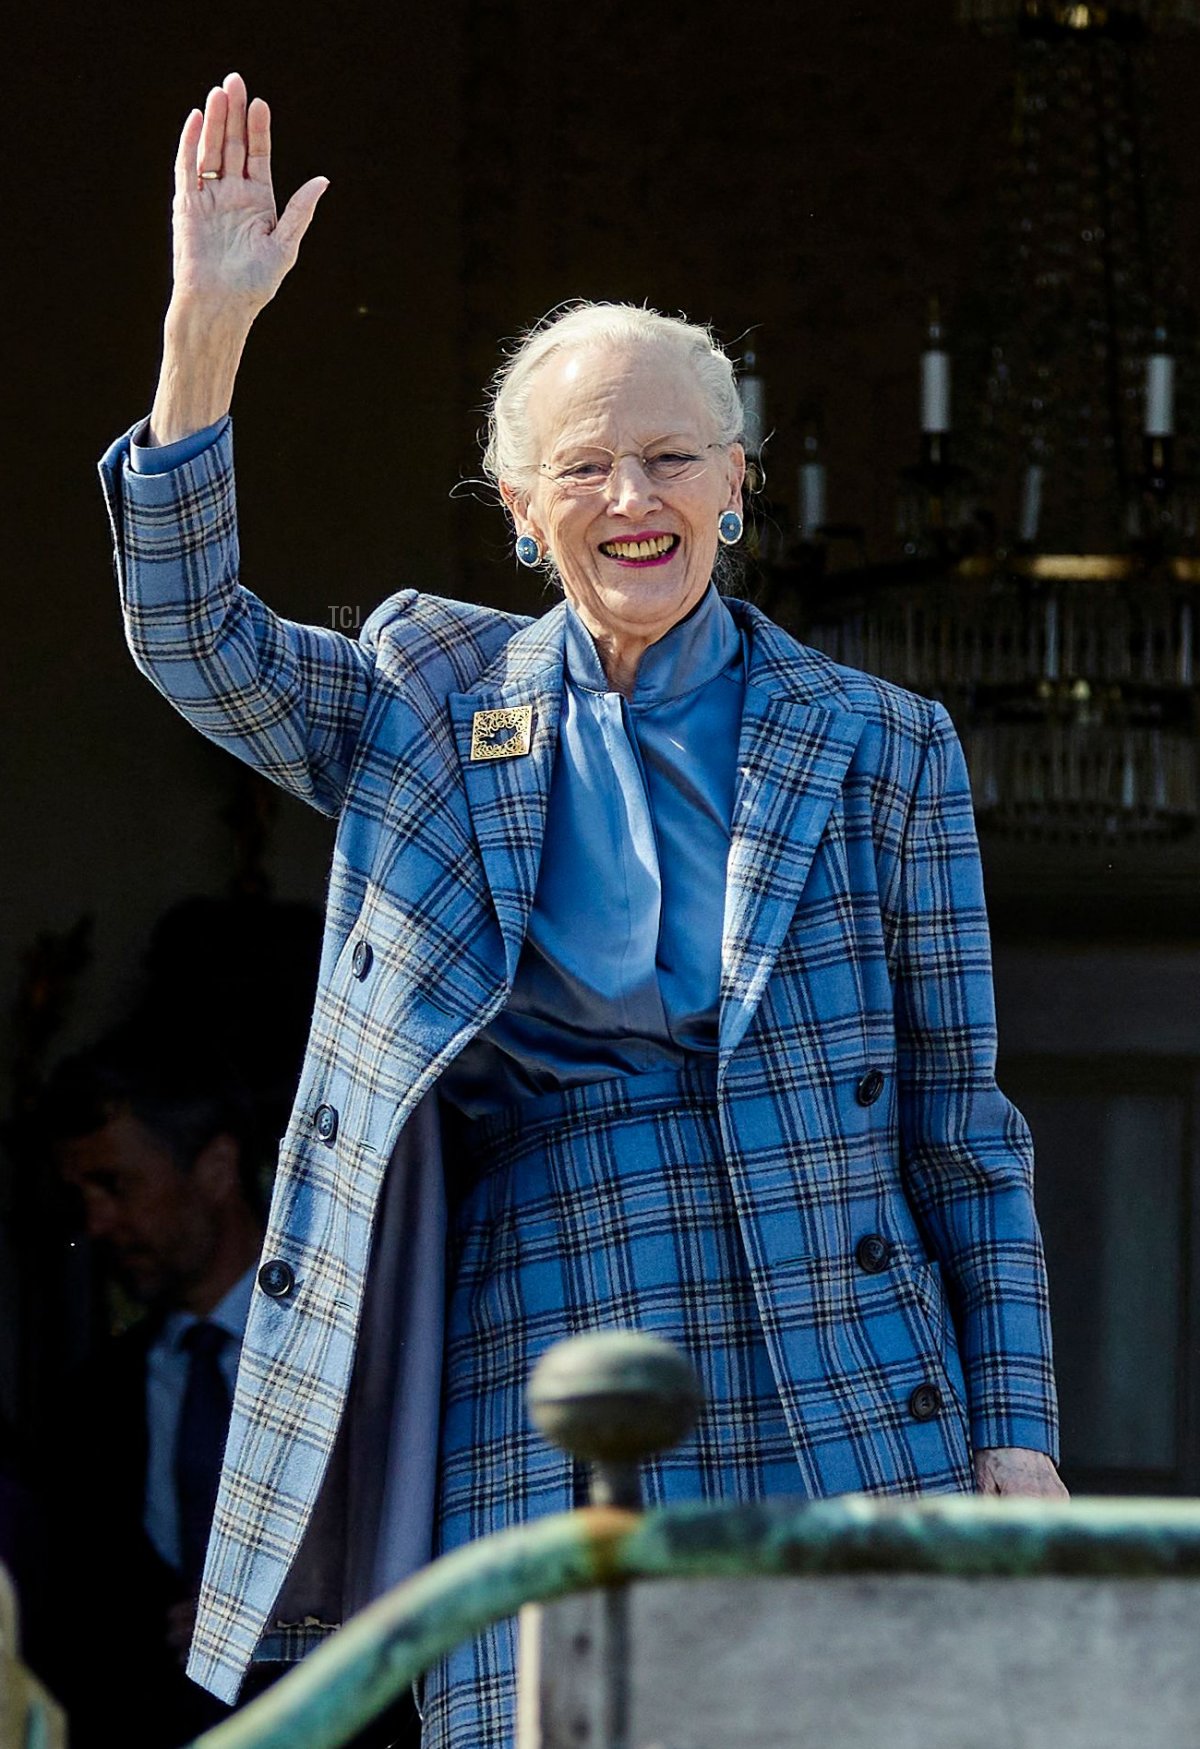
(620, 971)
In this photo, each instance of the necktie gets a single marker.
(200, 1443)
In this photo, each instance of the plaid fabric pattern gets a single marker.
(855, 940)
(603, 1206)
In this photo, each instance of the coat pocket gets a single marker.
(930, 1293)
(930, 1296)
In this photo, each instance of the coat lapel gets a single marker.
(796, 741)
(508, 797)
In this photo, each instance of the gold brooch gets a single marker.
(502, 734)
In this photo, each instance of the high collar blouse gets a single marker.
(620, 970)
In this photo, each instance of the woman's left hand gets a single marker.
(1013, 1469)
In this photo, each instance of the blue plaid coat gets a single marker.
(856, 1082)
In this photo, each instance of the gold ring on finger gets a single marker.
(210, 176)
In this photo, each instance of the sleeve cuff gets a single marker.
(147, 458)
(1033, 1432)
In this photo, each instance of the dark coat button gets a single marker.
(361, 962)
(925, 1402)
(276, 1278)
(870, 1087)
(325, 1122)
(873, 1253)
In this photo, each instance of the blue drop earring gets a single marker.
(729, 529)
(529, 551)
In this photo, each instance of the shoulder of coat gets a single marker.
(441, 639)
(418, 607)
(807, 672)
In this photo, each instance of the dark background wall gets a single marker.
(803, 175)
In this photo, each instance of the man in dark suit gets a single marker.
(162, 1144)
(158, 1144)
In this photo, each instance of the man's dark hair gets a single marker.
(181, 1089)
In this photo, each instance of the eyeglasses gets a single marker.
(590, 470)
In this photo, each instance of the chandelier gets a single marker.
(1046, 585)
(1081, 15)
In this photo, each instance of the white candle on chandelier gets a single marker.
(1184, 676)
(811, 496)
(1050, 640)
(935, 382)
(750, 386)
(1031, 502)
(1160, 394)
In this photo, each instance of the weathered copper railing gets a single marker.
(372, 1660)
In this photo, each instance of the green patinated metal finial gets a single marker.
(613, 1398)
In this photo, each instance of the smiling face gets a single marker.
(636, 555)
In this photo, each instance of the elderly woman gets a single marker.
(655, 989)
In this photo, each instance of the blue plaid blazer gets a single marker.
(856, 1065)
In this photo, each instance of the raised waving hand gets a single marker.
(229, 243)
(231, 253)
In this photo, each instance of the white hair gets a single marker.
(510, 452)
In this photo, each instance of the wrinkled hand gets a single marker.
(231, 250)
(1013, 1469)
